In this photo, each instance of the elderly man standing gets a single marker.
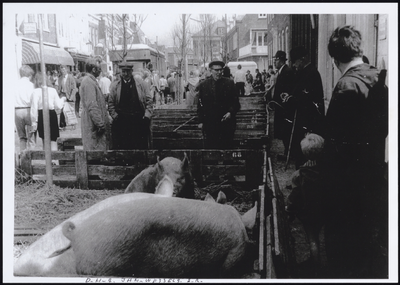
(131, 107)
(217, 107)
(23, 94)
(284, 85)
(95, 123)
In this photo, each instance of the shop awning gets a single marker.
(52, 55)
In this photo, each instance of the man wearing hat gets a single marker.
(283, 85)
(131, 107)
(307, 98)
(217, 107)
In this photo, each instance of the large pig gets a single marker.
(177, 170)
(160, 237)
(49, 255)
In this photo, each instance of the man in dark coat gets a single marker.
(131, 107)
(94, 119)
(356, 230)
(217, 107)
(284, 84)
(306, 100)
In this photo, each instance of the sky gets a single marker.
(163, 31)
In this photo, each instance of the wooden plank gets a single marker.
(81, 169)
(56, 155)
(261, 239)
(57, 170)
(104, 170)
(28, 232)
(269, 263)
(118, 156)
(110, 185)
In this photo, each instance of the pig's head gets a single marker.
(179, 173)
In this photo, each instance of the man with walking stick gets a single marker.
(306, 101)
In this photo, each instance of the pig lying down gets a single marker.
(177, 170)
(47, 256)
(160, 238)
(152, 236)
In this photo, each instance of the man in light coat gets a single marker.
(94, 118)
(66, 88)
(131, 107)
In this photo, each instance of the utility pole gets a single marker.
(46, 115)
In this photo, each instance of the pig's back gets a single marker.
(166, 237)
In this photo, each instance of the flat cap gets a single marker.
(281, 55)
(216, 62)
(125, 65)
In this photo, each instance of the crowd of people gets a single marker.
(339, 158)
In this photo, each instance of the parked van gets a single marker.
(246, 65)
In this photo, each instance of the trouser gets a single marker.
(23, 126)
(130, 132)
(77, 103)
(356, 231)
(240, 88)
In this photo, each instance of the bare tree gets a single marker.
(119, 32)
(180, 35)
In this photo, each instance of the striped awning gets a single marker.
(52, 55)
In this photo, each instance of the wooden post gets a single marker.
(46, 114)
(81, 169)
(262, 240)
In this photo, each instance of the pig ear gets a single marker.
(165, 187)
(209, 198)
(249, 218)
(158, 164)
(185, 162)
(221, 199)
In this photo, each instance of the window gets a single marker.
(45, 22)
(259, 38)
(262, 16)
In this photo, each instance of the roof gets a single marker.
(137, 47)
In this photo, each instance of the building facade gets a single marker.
(247, 39)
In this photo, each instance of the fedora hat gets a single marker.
(280, 54)
(297, 53)
(216, 62)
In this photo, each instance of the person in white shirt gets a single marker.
(36, 112)
(163, 85)
(240, 80)
(104, 84)
(23, 95)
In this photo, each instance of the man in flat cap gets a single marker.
(217, 107)
(307, 99)
(131, 107)
(283, 85)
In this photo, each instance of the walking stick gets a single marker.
(291, 138)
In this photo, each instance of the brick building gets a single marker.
(247, 39)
